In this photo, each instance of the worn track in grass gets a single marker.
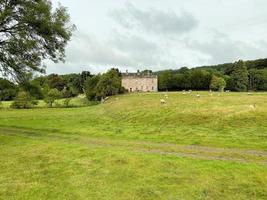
(144, 147)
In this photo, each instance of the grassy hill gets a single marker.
(133, 147)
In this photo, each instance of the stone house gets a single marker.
(140, 82)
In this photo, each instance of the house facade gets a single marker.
(138, 82)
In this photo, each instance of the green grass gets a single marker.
(132, 147)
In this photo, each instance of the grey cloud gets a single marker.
(128, 51)
(154, 20)
(221, 48)
(90, 49)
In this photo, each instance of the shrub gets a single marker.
(217, 83)
(52, 96)
(23, 101)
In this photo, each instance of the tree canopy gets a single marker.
(30, 31)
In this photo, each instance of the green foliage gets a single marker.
(258, 79)
(83, 77)
(239, 77)
(101, 86)
(23, 100)
(52, 96)
(217, 83)
(165, 80)
(56, 82)
(109, 84)
(31, 31)
(197, 79)
(90, 87)
(200, 79)
(8, 90)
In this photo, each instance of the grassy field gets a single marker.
(132, 147)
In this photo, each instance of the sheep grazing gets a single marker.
(198, 95)
(253, 107)
(162, 101)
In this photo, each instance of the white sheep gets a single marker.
(162, 101)
(253, 107)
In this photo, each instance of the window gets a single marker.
(152, 88)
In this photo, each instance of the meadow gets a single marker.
(134, 147)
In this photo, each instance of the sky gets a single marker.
(162, 34)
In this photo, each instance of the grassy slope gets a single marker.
(224, 121)
(98, 152)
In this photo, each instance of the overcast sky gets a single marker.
(162, 34)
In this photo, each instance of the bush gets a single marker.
(217, 83)
(23, 101)
(52, 96)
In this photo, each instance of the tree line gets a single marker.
(52, 87)
(239, 76)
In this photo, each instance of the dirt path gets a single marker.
(164, 149)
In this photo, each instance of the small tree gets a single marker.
(217, 83)
(52, 96)
(23, 101)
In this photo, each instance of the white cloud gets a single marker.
(163, 34)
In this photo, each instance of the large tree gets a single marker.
(239, 76)
(31, 31)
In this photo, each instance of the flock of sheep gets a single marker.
(164, 100)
